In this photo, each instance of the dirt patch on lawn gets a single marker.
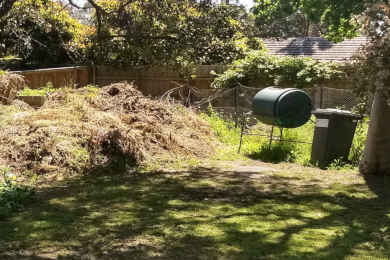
(77, 130)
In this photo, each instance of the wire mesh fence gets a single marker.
(324, 97)
(234, 102)
(239, 99)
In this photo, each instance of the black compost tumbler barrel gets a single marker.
(286, 108)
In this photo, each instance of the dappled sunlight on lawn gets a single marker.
(203, 214)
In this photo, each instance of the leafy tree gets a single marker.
(41, 32)
(299, 18)
(169, 32)
(129, 32)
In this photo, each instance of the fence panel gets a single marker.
(59, 77)
(156, 81)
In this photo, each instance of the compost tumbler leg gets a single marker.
(281, 134)
(271, 136)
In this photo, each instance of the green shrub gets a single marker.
(13, 195)
(277, 152)
(44, 91)
(259, 66)
(340, 164)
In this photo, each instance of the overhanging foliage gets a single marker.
(41, 32)
(261, 67)
(170, 32)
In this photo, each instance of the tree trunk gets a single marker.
(376, 155)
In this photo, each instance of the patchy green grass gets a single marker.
(44, 91)
(49, 88)
(229, 213)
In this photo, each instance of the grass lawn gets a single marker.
(229, 212)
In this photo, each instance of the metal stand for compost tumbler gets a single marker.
(270, 136)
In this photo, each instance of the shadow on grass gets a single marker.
(201, 214)
(278, 152)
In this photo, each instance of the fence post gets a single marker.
(235, 103)
(243, 124)
(321, 97)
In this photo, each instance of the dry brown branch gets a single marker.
(10, 84)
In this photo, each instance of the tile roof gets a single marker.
(315, 47)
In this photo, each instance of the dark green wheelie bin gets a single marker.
(333, 135)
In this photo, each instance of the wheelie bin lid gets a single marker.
(335, 112)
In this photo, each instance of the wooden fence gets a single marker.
(156, 81)
(59, 77)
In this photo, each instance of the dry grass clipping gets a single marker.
(78, 130)
(10, 84)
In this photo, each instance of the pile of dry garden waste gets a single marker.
(77, 130)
